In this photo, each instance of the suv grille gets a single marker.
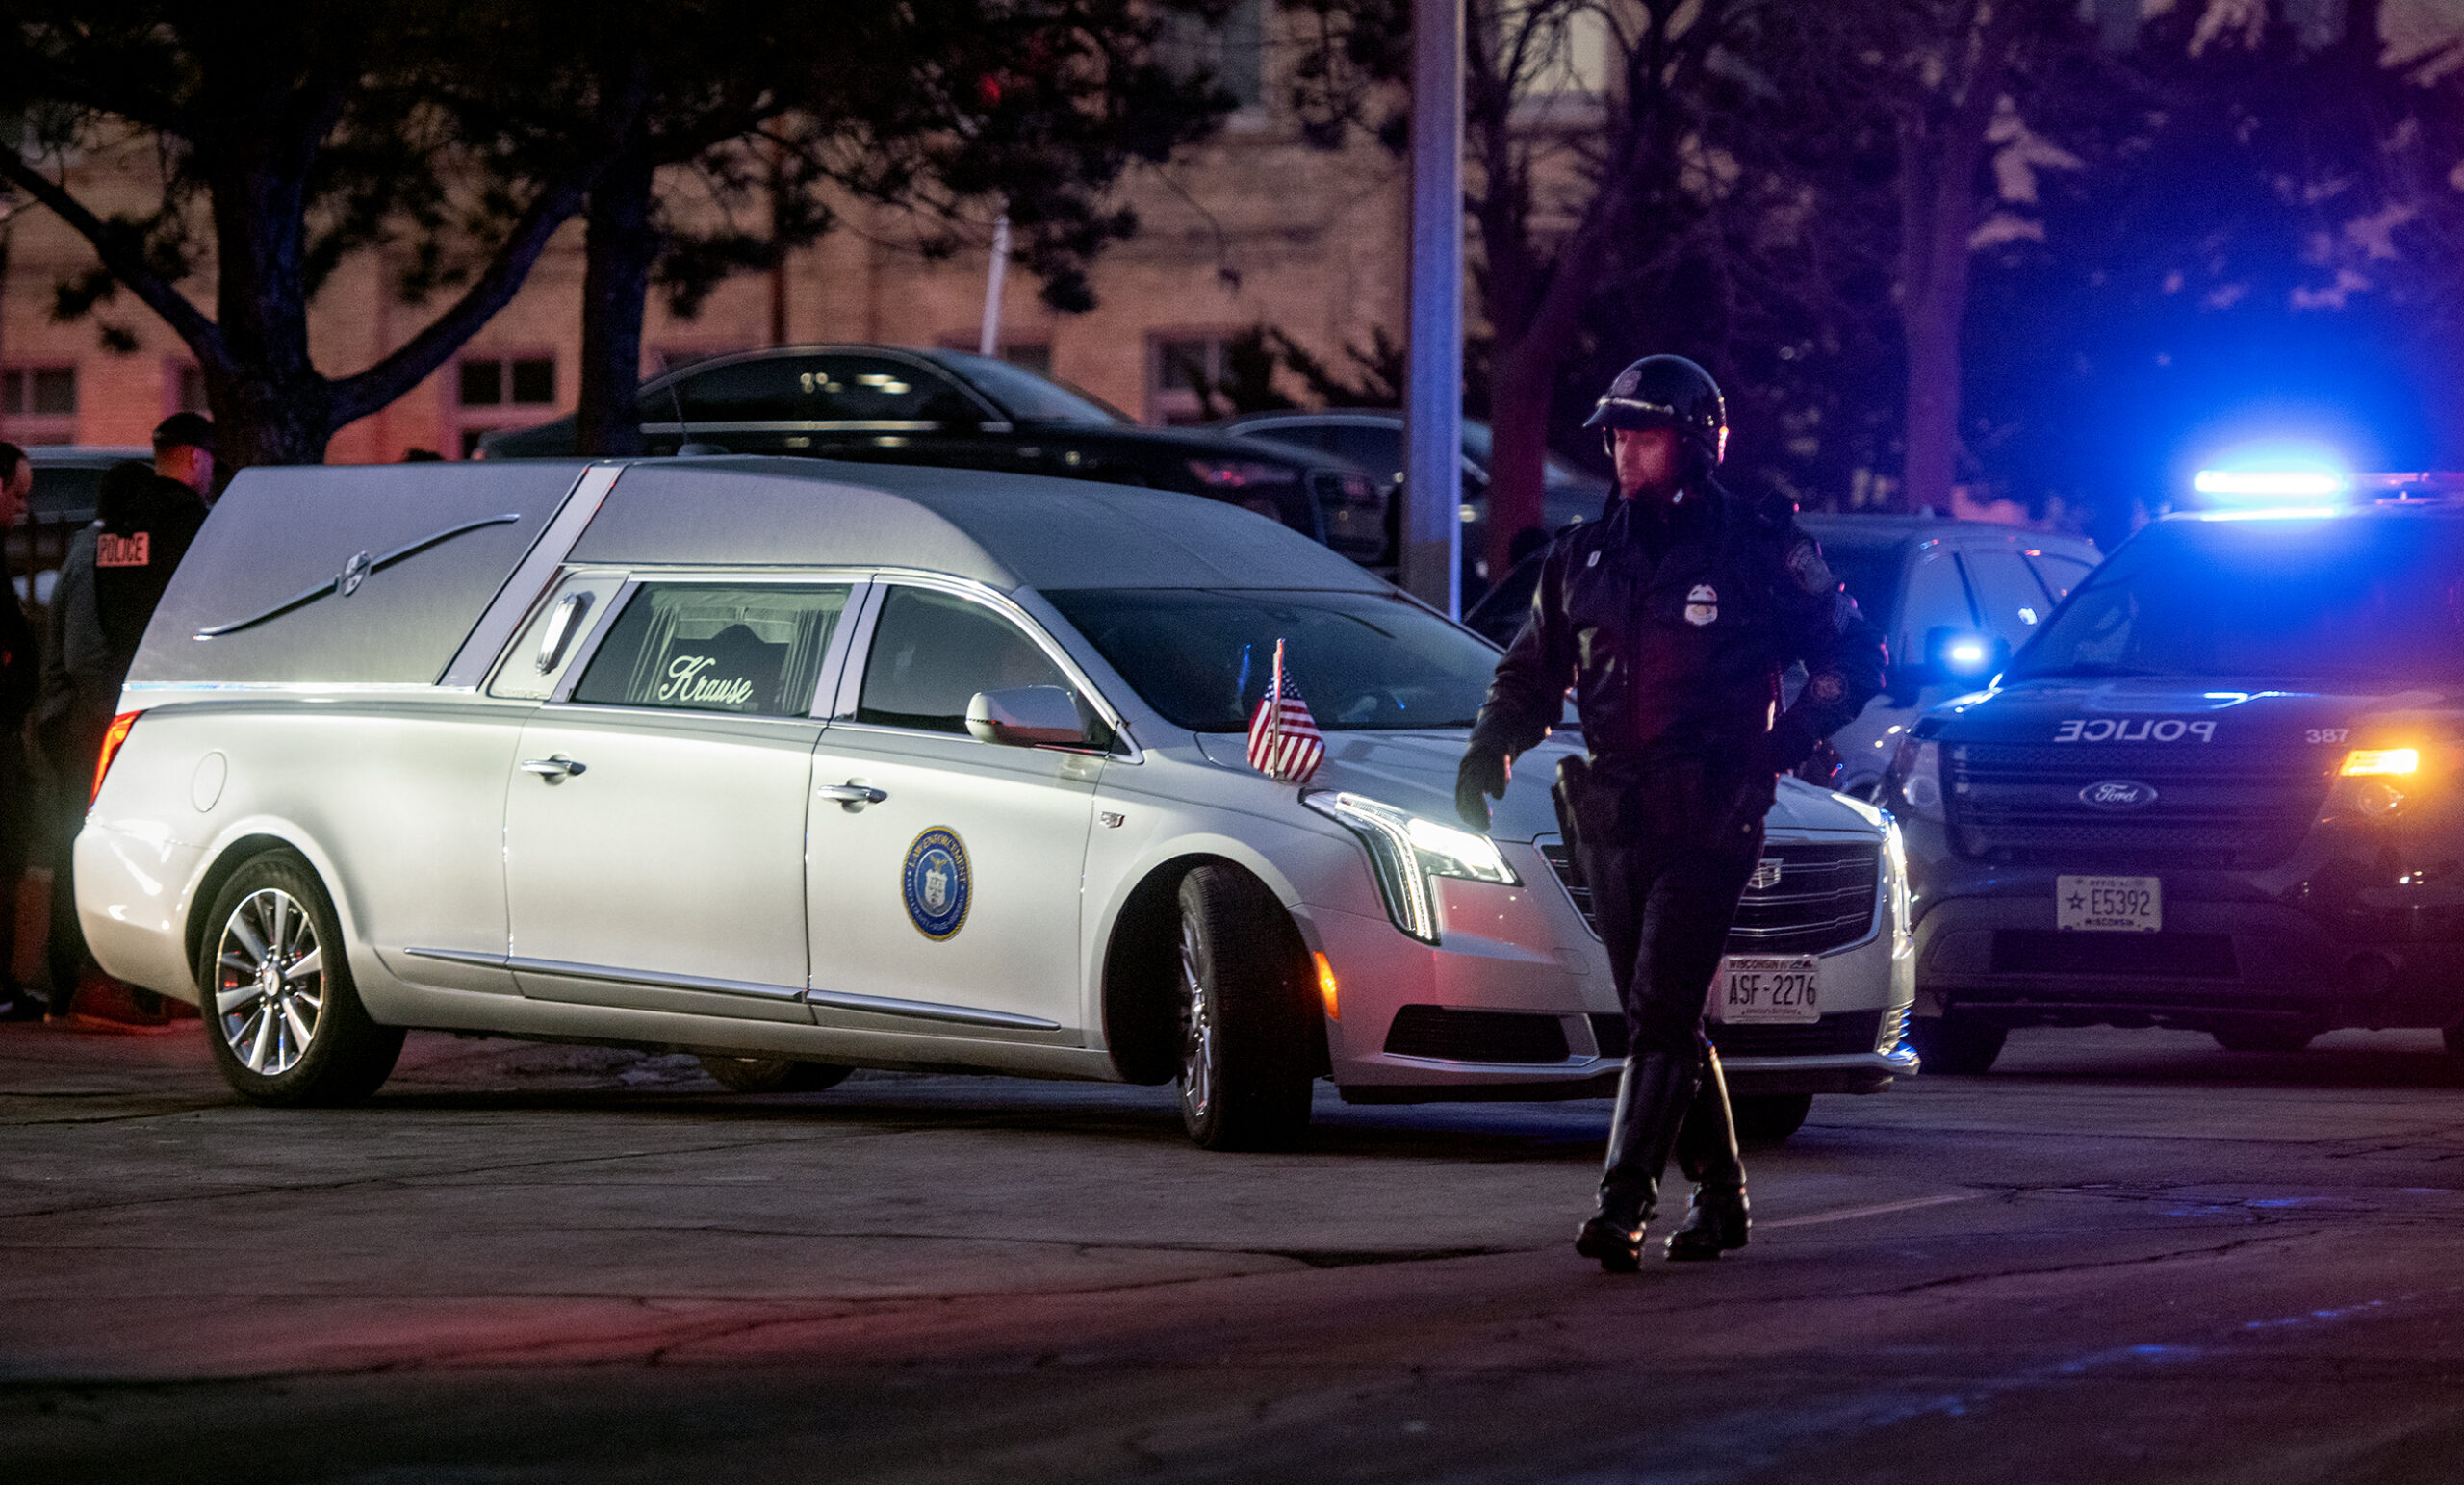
(2215, 806)
(1823, 900)
(1850, 1030)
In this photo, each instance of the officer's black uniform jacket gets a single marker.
(1674, 661)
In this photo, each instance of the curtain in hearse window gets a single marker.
(753, 649)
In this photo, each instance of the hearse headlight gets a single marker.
(1916, 778)
(1407, 850)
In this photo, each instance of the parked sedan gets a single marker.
(806, 766)
(885, 404)
(1373, 438)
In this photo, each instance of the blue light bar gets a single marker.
(2271, 484)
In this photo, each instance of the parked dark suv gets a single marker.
(895, 406)
(2222, 788)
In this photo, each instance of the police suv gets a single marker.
(2217, 790)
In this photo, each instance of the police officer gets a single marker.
(109, 584)
(1671, 619)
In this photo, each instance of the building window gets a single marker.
(1231, 51)
(39, 405)
(500, 391)
(1180, 367)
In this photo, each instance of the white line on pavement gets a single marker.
(1885, 1210)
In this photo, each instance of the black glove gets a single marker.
(1788, 743)
(1482, 776)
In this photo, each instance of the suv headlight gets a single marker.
(1407, 851)
(1916, 777)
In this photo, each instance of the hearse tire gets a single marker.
(1245, 1047)
(773, 1074)
(1955, 1045)
(1767, 1119)
(282, 1016)
(2263, 1037)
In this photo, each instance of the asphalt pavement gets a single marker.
(2121, 1256)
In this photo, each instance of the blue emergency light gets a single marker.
(2271, 484)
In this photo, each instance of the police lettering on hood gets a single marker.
(1670, 621)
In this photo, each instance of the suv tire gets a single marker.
(1962, 1046)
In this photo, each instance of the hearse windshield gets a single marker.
(2372, 599)
(1202, 658)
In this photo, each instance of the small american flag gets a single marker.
(1284, 740)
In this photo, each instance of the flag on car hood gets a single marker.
(1284, 740)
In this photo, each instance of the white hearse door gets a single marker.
(944, 876)
(654, 819)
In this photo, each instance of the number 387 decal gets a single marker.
(2326, 734)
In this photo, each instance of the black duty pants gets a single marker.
(1663, 909)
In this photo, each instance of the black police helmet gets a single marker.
(1666, 391)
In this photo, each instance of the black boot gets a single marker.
(1652, 1097)
(1718, 1219)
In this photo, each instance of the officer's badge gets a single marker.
(1826, 686)
(1812, 573)
(1701, 606)
(1627, 381)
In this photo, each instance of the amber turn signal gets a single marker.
(1326, 985)
(2364, 761)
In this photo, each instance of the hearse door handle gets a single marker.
(553, 769)
(855, 796)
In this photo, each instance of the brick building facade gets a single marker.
(1253, 227)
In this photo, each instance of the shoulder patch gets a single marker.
(1807, 566)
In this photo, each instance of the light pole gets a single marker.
(1432, 528)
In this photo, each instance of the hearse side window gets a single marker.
(752, 648)
(933, 651)
(815, 389)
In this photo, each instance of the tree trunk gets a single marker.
(1940, 216)
(620, 245)
(270, 406)
(1519, 450)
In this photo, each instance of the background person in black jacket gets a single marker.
(20, 673)
(112, 577)
(1671, 620)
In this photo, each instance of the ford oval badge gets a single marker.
(2117, 794)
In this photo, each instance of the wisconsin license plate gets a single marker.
(2109, 904)
(1766, 989)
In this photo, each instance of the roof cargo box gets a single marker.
(367, 575)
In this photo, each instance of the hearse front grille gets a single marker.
(1477, 1036)
(1850, 1030)
(1821, 898)
(2214, 806)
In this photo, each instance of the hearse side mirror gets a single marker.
(1030, 717)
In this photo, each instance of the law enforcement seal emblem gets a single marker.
(936, 884)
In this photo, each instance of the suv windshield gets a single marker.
(2361, 599)
(1361, 660)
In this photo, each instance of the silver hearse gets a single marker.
(804, 767)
